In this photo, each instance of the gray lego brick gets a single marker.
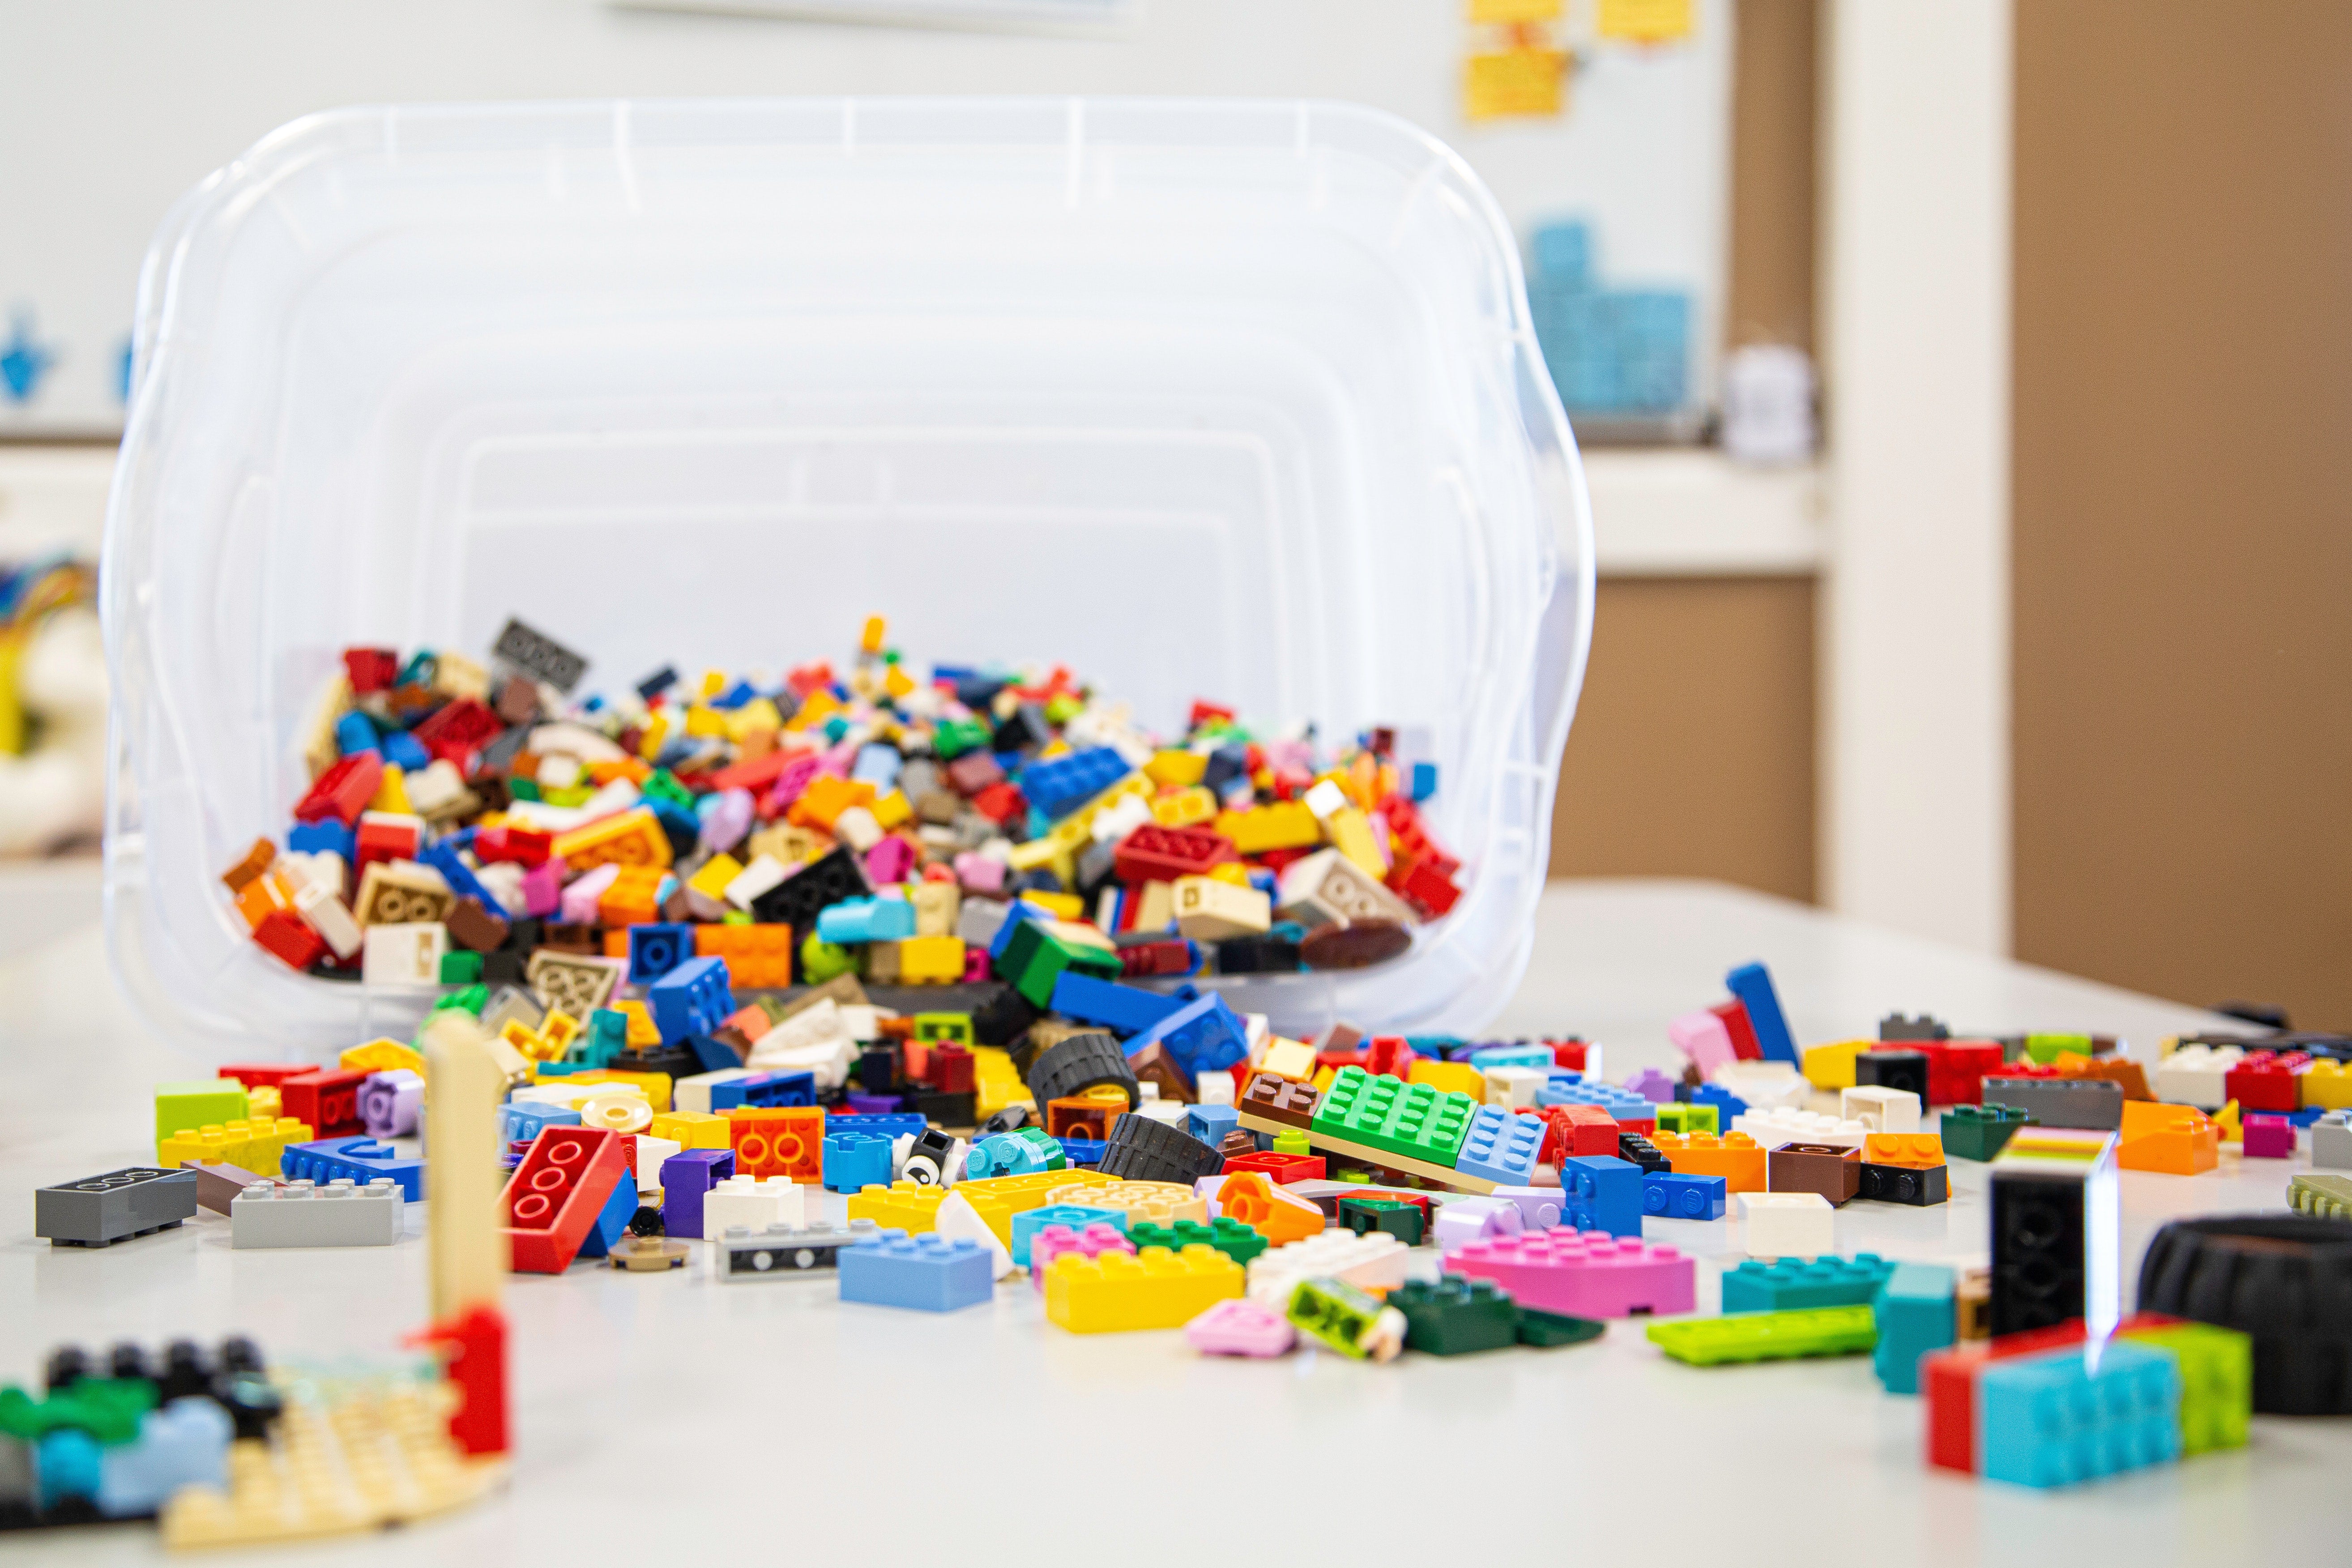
(99, 1211)
(2331, 1142)
(299, 1213)
(782, 1251)
(2096, 1103)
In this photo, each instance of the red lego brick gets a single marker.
(2266, 1080)
(1206, 712)
(371, 668)
(1155, 853)
(1409, 836)
(290, 936)
(1334, 1061)
(1147, 958)
(1734, 1017)
(948, 1068)
(1956, 1068)
(523, 846)
(385, 840)
(1421, 884)
(473, 1349)
(1275, 861)
(810, 677)
(1000, 803)
(555, 1195)
(1388, 1054)
(343, 791)
(458, 731)
(787, 1142)
(1280, 1168)
(326, 1098)
(1569, 1054)
(257, 1074)
(754, 774)
(1588, 1129)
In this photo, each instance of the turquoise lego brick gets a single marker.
(927, 1273)
(1500, 1146)
(1792, 1285)
(1077, 1216)
(853, 1161)
(2051, 1421)
(1530, 1056)
(1915, 1315)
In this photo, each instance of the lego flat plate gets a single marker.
(1324, 1144)
(663, 1386)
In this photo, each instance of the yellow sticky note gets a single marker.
(1645, 21)
(1509, 12)
(1514, 82)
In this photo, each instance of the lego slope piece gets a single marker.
(302, 1213)
(1115, 1291)
(558, 1194)
(1583, 1275)
(1767, 1336)
(1752, 984)
(99, 1211)
(1240, 1326)
(1980, 1131)
(2051, 1421)
(2056, 1231)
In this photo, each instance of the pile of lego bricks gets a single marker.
(464, 823)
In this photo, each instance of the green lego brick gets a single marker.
(1767, 1336)
(461, 968)
(952, 738)
(472, 999)
(2326, 1198)
(1980, 1131)
(952, 1027)
(1034, 958)
(1676, 1117)
(1230, 1236)
(1048, 1147)
(1545, 1330)
(203, 1102)
(107, 1408)
(1400, 1219)
(1350, 1321)
(1457, 1316)
(663, 785)
(2217, 1382)
(2048, 1048)
(1414, 1119)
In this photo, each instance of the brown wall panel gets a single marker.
(1692, 754)
(2183, 498)
(1773, 168)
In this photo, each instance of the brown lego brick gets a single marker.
(1238, 1143)
(1271, 1098)
(1828, 1169)
(1357, 945)
(2122, 1071)
(1153, 1064)
(217, 1185)
(474, 928)
(1972, 1303)
(581, 939)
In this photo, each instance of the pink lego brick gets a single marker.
(1055, 1239)
(1585, 1275)
(1701, 1037)
(2269, 1137)
(728, 820)
(542, 889)
(580, 899)
(788, 785)
(1240, 1327)
(975, 963)
(892, 860)
(979, 873)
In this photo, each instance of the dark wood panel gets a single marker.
(1773, 163)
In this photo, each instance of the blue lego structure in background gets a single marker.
(1060, 785)
(1622, 352)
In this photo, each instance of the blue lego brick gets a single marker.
(687, 1178)
(656, 949)
(1438, 1048)
(331, 836)
(185, 1443)
(1677, 1194)
(676, 821)
(1209, 1123)
(67, 1465)
(1517, 1055)
(443, 857)
(363, 1160)
(857, 920)
(1424, 783)
(406, 751)
(692, 999)
(1915, 1311)
(2050, 1421)
(854, 1161)
(355, 732)
(1011, 1154)
(1088, 1151)
(1077, 1216)
(1202, 1035)
(881, 1124)
(876, 765)
(764, 1092)
(1621, 1103)
(1562, 254)
(1501, 1145)
(1019, 911)
(1752, 984)
(1601, 1192)
(1062, 785)
(521, 1121)
(1122, 1009)
(1726, 1104)
(734, 697)
(926, 1273)
(1789, 1285)
(710, 1055)
(613, 1222)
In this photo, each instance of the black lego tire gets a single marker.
(1076, 1065)
(2285, 1282)
(1142, 1150)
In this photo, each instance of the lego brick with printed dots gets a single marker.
(927, 1273)
(1789, 1284)
(787, 1142)
(1672, 1195)
(1414, 1119)
(2050, 1421)
(1501, 1146)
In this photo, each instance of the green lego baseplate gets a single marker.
(2326, 1198)
(1416, 1120)
(1767, 1336)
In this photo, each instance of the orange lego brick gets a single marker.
(787, 1142)
(632, 838)
(1735, 1157)
(617, 943)
(825, 798)
(759, 957)
(634, 896)
(1280, 1218)
(1916, 1151)
(2176, 1140)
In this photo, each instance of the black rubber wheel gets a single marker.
(2284, 1282)
(1076, 1065)
(1142, 1150)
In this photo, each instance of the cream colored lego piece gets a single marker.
(319, 748)
(574, 983)
(1155, 906)
(1327, 887)
(437, 791)
(406, 954)
(1289, 1059)
(748, 1201)
(402, 892)
(468, 1255)
(317, 898)
(1513, 1087)
(937, 905)
(1375, 1260)
(1879, 1108)
(1211, 911)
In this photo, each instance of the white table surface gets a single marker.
(675, 1417)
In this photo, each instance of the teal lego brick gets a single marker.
(1790, 1285)
(2051, 1421)
(1915, 1309)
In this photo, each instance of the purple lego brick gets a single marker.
(1652, 1084)
(685, 1179)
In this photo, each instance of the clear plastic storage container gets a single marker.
(1206, 398)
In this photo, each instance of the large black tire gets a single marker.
(1142, 1150)
(2284, 1281)
(1076, 1065)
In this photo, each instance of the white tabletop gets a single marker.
(677, 1417)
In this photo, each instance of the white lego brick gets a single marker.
(1879, 1108)
(1214, 1089)
(1788, 1225)
(302, 1213)
(319, 899)
(437, 789)
(1375, 1260)
(651, 1153)
(956, 1219)
(2193, 1075)
(1257, 1036)
(1771, 1129)
(815, 1039)
(693, 1092)
(1328, 888)
(1765, 1086)
(858, 829)
(762, 874)
(1120, 818)
(2331, 1142)
(748, 1201)
(1515, 1088)
(408, 955)
(1171, 1112)
(1325, 798)
(571, 1096)
(504, 880)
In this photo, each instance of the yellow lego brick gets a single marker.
(1459, 1077)
(1283, 824)
(716, 873)
(264, 1103)
(1184, 808)
(930, 960)
(392, 794)
(1324, 1076)
(997, 1199)
(1231, 871)
(381, 1056)
(1831, 1065)
(1288, 1058)
(702, 721)
(1156, 1289)
(1179, 769)
(871, 635)
(892, 810)
(1106, 1093)
(1061, 906)
(559, 1031)
(528, 1043)
(255, 1144)
(2326, 1086)
(1163, 1202)
(655, 736)
(996, 1082)
(1353, 835)
(643, 1031)
(751, 718)
(912, 1206)
(632, 838)
(690, 1128)
(897, 682)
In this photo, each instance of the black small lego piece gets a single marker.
(1916, 1186)
(67, 1365)
(99, 1211)
(1636, 1150)
(187, 1372)
(948, 1108)
(659, 681)
(1003, 1018)
(676, 1060)
(2039, 1275)
(1012, 1119)
(2284, 1281)
(1142, 1150)
(927, 1161)
(1902, 1069)
(835, 875)
(876, 1070)
(646, 1221)
(1257, 955)
(128, 1360)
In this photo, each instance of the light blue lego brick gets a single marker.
(1561, 253)
(1500, 1146)
(67, 1465)
(1752, 984)
(184, 1444)
(927, 1273)
(520, 1121)
(1623, 1104)
(1124, 1010)
(876, 765)
(1916, 1316)
(1011, 1154)
(854, 921)
(694, 998)
(1790, 1285)
(1679, 1194)
(612, 1220)
(1536, 1055)
(2050, 1421)
(1424, 783)
(853, 1161)
(362, 1159)
(1077, 1216)
(890, 1125)
(1209, 1123)
(1601, 1192)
